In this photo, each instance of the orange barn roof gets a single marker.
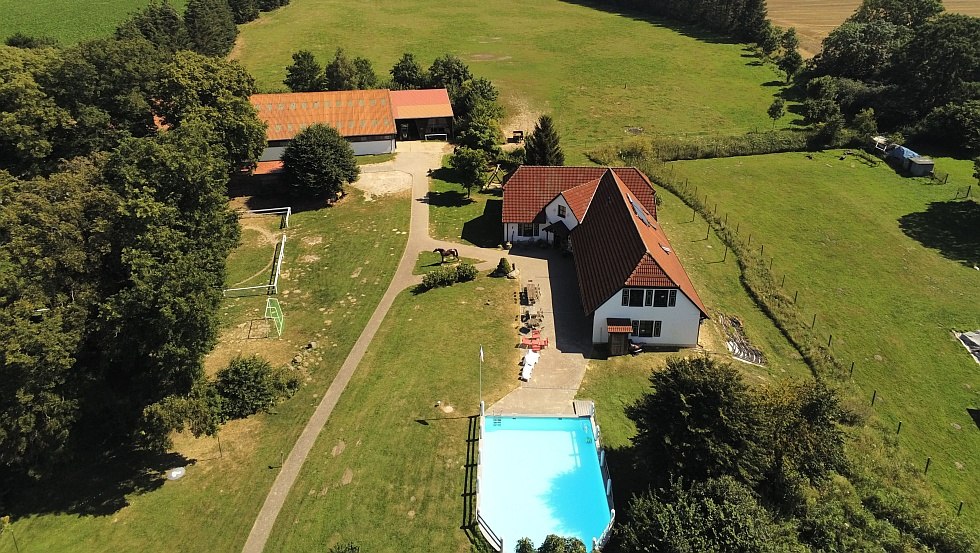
(351, 112)
(421, 104)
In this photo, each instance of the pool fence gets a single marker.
(495, 541)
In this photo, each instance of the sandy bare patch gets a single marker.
(338, 449)
(309, 258)
(357, 272)
(522, 117)
(447, 408)
(382, 183)
(312, 240)
(348, 477)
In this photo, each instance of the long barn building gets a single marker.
(371, 120)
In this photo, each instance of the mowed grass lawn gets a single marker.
(388, 470)
(596, 72)
(69, 21)
(835, 228)
(457, 217)
(338, 264)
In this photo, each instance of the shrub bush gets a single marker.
(465, 272)
(447, 276)
(250, 384)
(503, 268)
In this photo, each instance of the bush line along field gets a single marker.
(598, 73)
(835, 228)
(69, 21)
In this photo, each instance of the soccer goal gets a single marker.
(273, 311)
(437, 136)
(283, 212)
(273, 286)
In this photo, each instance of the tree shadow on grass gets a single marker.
(449, 198)
(952, 227)
(687, 30)
(95, 486)
(485, 231)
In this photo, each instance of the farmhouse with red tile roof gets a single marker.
(630, 280)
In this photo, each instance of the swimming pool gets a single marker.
(540, 476)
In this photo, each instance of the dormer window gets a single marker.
(561, 211)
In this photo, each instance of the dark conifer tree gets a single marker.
(543, 145)
(305, 74)
(244, 10)
(211, 26)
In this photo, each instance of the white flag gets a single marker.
(481, 354)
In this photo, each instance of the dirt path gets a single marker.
(414, 159)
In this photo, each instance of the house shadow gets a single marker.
(952, 227)
(484, 231)
(573, 329)
(96, 485)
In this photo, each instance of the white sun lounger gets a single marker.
(530, 359)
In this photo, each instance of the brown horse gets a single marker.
(451, 252)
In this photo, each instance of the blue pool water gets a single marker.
(541, 476)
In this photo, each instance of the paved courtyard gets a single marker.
(559, 372)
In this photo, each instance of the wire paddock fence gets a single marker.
(270, 289)
(771, 294)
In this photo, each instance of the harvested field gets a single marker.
(815, 19)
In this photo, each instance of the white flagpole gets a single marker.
(481, 373)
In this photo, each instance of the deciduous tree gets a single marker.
(215, 92)
(470, 165)
(714, 515)
(340, 73)
(699, 421)
(776, 110)
(318, 162)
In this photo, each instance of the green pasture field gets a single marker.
(69, 21)
(596, 72)
(887, 265)
(389, 469)
(338, 263)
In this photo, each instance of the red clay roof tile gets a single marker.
(532, 187)
(616, 247)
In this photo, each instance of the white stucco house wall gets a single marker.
(630, 281)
